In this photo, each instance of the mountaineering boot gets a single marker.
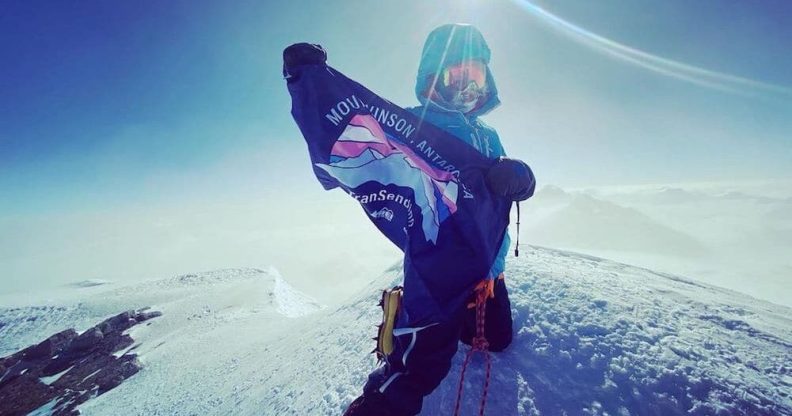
(374, 403)
(390, 303)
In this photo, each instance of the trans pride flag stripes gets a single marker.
(364, 152)
(422, 188)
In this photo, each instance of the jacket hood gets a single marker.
(448, 45)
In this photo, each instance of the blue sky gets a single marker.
(108, 104)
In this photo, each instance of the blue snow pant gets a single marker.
(423, 351)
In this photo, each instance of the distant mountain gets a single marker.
(673, 195)
(552, 194)
(556, 218)
(89, 283)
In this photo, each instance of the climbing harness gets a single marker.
(484, 290)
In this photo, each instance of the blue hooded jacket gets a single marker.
(448, 45)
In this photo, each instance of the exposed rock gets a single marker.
(87, 340)
(49, 346)
(24, 394)
(67, 369)
(145, 315)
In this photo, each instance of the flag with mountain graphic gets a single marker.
(424, 189)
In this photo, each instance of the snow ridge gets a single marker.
(290, 302)
(226, 294)
(592, 336)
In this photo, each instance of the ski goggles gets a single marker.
(460, 76)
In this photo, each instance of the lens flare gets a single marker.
(675, 69)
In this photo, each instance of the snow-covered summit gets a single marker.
(213, 277)
(239, 289)
(592, 336)
(222, 295)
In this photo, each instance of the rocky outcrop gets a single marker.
(68, 368)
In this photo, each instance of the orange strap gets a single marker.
(488, 286)
(478, 344)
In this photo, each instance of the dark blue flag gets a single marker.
(423, 188)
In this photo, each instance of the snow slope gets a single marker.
(592, 336)
(193, 302)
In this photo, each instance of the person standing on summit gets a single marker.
(455, 87)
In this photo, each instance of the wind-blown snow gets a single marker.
(290, 302)
(219, 296)
(592, 336)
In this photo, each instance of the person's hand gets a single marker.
(512, 179)
(302, 54)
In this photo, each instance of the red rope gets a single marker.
(479, 344)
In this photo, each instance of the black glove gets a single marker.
(511, 178)
(302, 54)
